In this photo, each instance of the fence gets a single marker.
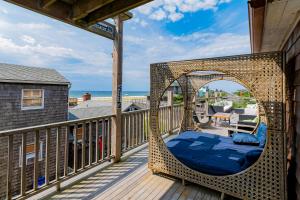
(40, 157)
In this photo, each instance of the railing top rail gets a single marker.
(66, 123)
(52, 125)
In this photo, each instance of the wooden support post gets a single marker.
(117, 90)
(170, 110)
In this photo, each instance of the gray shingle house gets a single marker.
(94, 108)
(30, 96)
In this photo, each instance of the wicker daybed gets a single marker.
(262, 74)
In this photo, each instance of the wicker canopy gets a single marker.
(262, 74)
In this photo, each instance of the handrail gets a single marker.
(51, 125)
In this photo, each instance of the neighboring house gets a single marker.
(30, 96)
(94, 108)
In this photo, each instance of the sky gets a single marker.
(162, 30)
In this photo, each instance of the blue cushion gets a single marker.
(261, 134)
(245, 138)
(212, 154)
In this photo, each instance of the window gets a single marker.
(30, 154)
(32, 99)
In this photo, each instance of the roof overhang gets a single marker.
(271, 23)
(83, 13)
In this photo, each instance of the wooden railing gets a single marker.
(37, 158)
(135, 125)
(42, 156)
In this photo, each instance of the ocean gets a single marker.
(78, 94)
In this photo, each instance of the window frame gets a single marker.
(32, 107)
(30, 156)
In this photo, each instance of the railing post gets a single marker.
(170, 110)
(23, 165)
(117, 90)
(36, 159)
(47, 156)
(9, 168)
(57, 167)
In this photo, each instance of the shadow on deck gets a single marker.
(131, 179)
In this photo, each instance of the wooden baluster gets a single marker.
(143, 126)
(168, 119)
(147, 124)
(9, 169)
(48, 132)
(23, 165)
(130, 130)
(103, 139)
(97, 142)
(75, 148)
(133, 129)
(136, 129)
(125, 125)
(66, 152)
(36, 159)
(57, 170)
(164, 119)
(90, 145)
(83, 146)
(108, 138)
(122, 132)
(160, 120)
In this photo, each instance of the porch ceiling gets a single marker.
(271, 23)
(81, 13)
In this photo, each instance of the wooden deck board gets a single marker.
(131, 179)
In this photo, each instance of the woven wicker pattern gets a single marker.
(262, 74)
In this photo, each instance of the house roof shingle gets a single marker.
(94, 108)
(23, 74)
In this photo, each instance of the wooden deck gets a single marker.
(131, 179)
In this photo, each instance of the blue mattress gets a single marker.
(212, 154)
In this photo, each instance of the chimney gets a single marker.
(87, 96)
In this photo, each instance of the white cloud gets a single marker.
(33, 26)
(175, 16)
(174, 10)
(139, 21)
(3, 10)
(158, 15)
(28, 39)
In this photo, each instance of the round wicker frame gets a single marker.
(263, 75)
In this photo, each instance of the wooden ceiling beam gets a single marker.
(46, 3)
(59, 10)
(82, 8)
(112, 9)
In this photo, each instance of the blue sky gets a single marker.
(160, 31)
